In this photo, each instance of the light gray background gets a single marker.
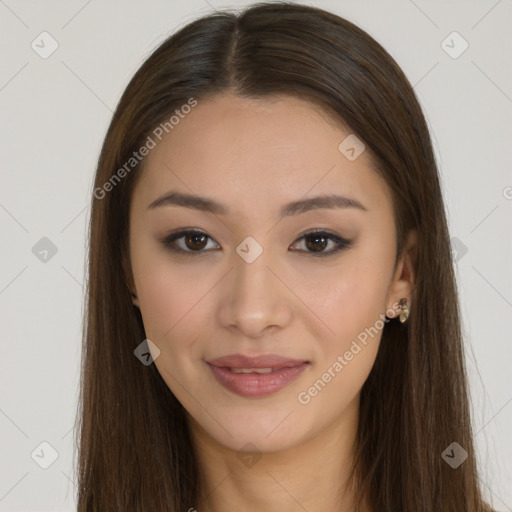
(54, 114)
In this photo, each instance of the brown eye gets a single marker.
(189, 242)
(316, 242)
(195, 241)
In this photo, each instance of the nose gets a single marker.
(255, 301)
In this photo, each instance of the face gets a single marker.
(297, 296)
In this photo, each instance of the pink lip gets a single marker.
(284, 371)
(273, 361)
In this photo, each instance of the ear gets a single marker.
(403, 282)
(128, 276)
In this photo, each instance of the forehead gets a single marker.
(254, 153)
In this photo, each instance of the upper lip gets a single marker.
(273, 361)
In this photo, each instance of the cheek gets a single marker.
(347, 299)
(167, 293)
(344, 360)
(350, 301)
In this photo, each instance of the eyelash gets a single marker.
(342, 243)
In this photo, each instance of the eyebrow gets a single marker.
(205, 204)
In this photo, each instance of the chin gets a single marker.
(248, 431)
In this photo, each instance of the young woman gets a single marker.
(273, 319)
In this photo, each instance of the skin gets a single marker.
(254, 155)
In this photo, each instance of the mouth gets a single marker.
(256, 376)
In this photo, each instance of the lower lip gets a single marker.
(256, 384)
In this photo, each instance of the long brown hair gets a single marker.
(135, 452)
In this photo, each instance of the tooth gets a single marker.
(251, 370)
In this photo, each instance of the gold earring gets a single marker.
(404, 314)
